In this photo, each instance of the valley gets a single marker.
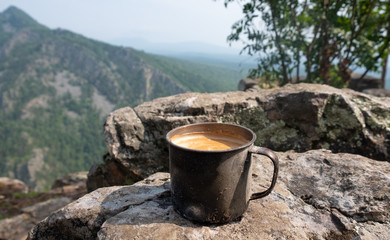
(57, 87)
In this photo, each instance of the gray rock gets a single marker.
(33, 207)
(41, 210)
(70, 179)
(247, 83)
(357, 187)
(299, 117)
(379, 92)
(83, 218)
(367, 82)
(9, 186)
(319, 195)
(18, 227)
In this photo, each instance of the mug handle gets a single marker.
(271, 155)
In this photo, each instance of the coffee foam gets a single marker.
(208, 141)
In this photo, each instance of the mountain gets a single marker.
(193, 51)
(56, 87)
(175, 48)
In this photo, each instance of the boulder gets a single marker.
(9, 186)
(379, 92)
(73, 185)
(299, 117)
(247, 83)
(319, 195)
(21, 212)
(76, 178)
(109, 173)
(18, 226)
(367, 82)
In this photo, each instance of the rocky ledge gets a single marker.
(339, 190)
(296, 117)
(319, 195)
(21, 209)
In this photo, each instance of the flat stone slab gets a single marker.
(319, 195)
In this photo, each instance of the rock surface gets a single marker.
(23, 210)
(319, 195)
(72, 179)
(109, 173)
(247, 83)
(300, 117)
(379, 92)
(10, 186)
(18, 227)
(367, 82)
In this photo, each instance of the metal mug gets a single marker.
(213, 186)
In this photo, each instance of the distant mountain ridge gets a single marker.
(56, 87)
(174, 48)
(194, 51)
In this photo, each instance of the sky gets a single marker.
(169, 21)
(154, 21)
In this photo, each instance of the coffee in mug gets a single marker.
(210, 167)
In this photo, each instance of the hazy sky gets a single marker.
(167, 21)
(171, 21)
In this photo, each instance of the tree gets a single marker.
(326, 38)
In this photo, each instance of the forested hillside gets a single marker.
(56, 87)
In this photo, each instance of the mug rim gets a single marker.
(249, 143)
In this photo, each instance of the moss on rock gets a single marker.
(276, 134)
